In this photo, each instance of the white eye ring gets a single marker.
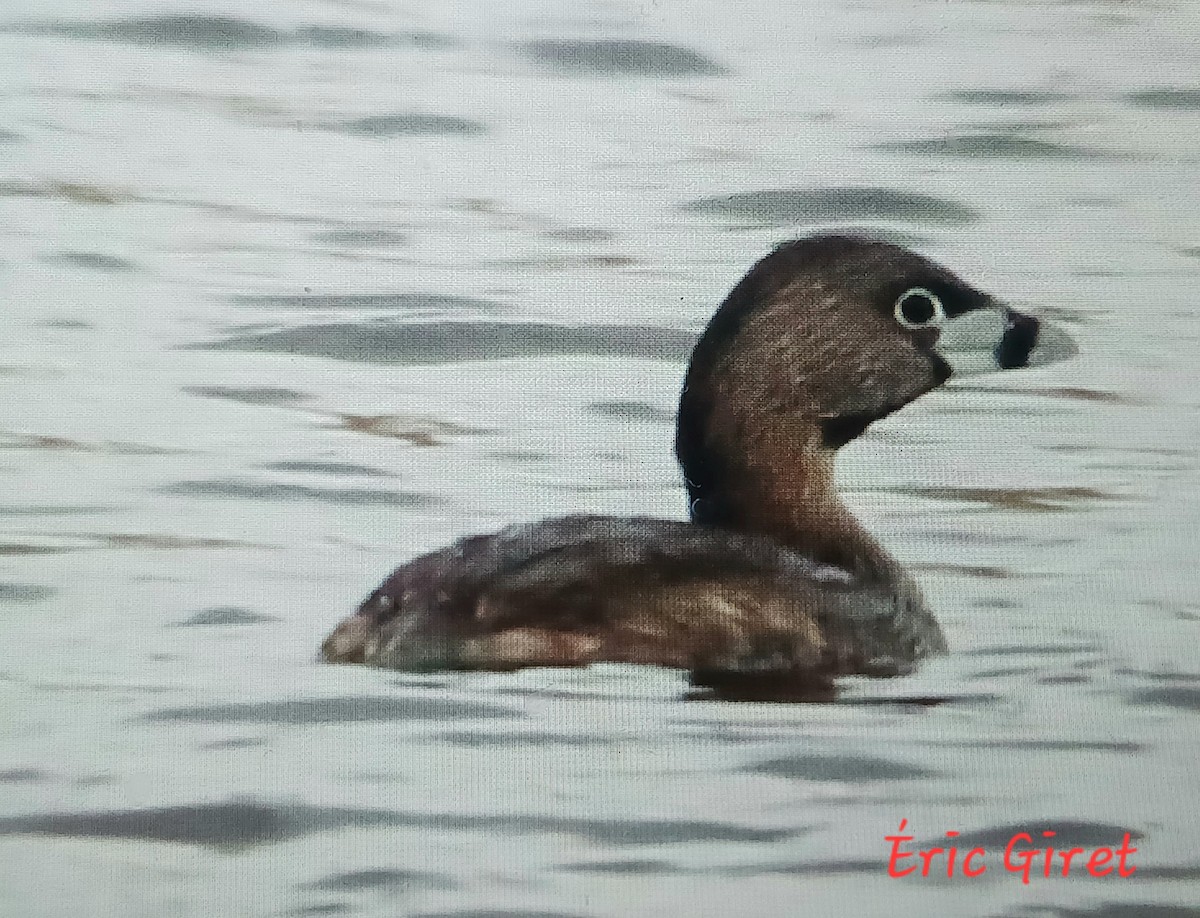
(929, 314)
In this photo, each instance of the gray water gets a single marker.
(282, 289)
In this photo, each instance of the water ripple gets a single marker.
(621, 57)
(225, 33)
(777, 206)
(419, 343)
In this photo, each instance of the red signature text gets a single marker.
(1021, 856)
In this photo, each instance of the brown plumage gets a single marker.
(774, 588)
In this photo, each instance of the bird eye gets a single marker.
(919, 308)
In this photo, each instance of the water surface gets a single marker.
(292, 293)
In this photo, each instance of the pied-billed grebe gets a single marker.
(773, 589)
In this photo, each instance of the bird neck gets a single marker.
(780, 483)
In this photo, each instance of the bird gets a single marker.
(772, 589)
